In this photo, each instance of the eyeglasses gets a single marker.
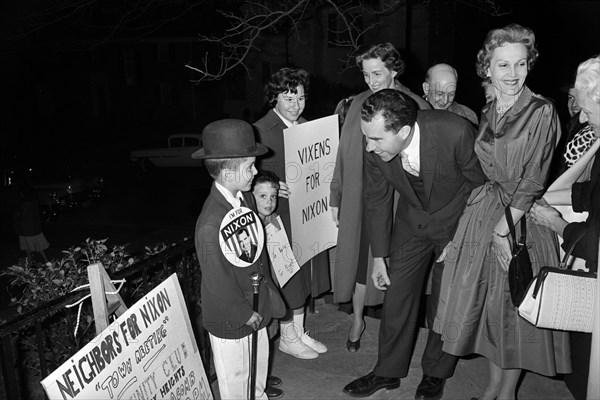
(293, 100)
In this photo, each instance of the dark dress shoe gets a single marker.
(430, 388)
(273, 393)
(369, 384)
(273, 381)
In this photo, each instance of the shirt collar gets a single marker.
(286, 121)
(413, 148)
(234, 201)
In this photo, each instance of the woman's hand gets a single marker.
(284, 190)
(501, 248)
(335, 215)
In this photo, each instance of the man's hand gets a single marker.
(335, 213)
(255, 320)
(380, 276)
(442, 256)
(284, 190)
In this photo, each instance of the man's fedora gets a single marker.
(229, 138)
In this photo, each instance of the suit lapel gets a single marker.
(405, 188)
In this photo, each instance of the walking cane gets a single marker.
(255, 279)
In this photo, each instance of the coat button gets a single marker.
(420, 226)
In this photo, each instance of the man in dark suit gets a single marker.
(428, 158)
(248, 249)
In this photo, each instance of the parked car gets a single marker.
(178, 153)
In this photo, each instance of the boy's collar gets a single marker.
(233, 199)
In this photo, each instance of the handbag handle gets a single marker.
(563, 263)
(511, 227)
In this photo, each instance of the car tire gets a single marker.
(147, 165)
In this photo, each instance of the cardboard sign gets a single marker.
(280, 253)
(310, 154)
(149, 352)
(241, 237)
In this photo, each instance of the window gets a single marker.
(163, 52)
(129, 66)
(192, 142)
(166, 93)
(176, 142)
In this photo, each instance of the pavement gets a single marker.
(326, 376)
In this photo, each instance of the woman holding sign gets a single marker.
(286, 94)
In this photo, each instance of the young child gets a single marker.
(229, 155)
(293, 340)
(265, 189)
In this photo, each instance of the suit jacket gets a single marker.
(450, 170)
(248, 257)
(226, 292)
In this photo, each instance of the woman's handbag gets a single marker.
(559, 298)
(520, 272)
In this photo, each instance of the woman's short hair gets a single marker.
(396, 108)
(285, 80)
(387, 53)
(588, 78)
(513, 33)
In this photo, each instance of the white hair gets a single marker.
(588, 78)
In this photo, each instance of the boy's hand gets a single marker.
(255, 320)
(284, 190)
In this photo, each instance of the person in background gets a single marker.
(286, 93)
(516, 139)
(28, 224)
(579, 137)
(583, 196)
(439, 90)
(381, 66)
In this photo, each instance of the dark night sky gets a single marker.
(567, 33)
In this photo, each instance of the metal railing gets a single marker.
(179, 258)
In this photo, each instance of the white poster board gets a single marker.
(310, 154)
(280, 253)
(149, 352)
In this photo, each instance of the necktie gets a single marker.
(407, 165)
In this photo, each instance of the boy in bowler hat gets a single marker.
(229, 154)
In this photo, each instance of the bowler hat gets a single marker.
(229, 138)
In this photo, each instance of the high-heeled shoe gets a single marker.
(353, 346)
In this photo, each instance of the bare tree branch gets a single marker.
(244, 31)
